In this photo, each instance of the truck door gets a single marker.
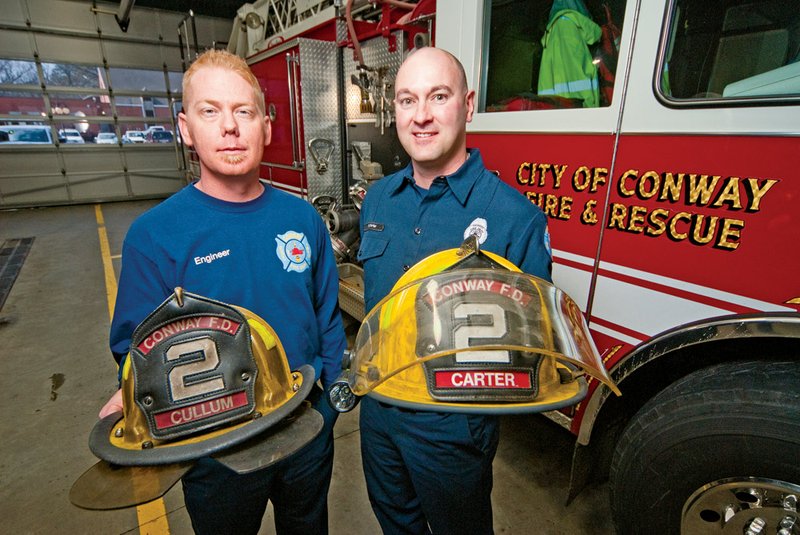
(302, 91)
(544, 120)
(707, 163)
(278, 73)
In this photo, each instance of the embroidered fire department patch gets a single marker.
(293, 251)
(546, 240)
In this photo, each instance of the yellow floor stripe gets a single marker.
(153, 515)
(105, 253)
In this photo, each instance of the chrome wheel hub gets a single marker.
(743, 506)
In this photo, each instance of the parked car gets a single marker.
(106, 138)
(70, 135)
(151, 129)
(133, 136)
(25, 134)
(160, 136)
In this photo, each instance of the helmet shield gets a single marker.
(476, 340)
(181, 385)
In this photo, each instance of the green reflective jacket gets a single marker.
(567, 69)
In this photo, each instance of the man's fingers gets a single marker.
(112, 405)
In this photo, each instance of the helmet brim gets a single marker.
(201, 445)
(108, 486)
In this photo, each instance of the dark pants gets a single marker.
(428, 472)
(220, 501)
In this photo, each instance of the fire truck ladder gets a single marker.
(268, 22)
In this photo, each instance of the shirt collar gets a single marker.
(460, 182)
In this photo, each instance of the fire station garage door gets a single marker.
(87, 111)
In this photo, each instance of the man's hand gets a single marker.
(112, 405)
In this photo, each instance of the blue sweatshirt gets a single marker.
(271, 255)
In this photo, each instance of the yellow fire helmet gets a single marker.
(465, 330)
(203, 376)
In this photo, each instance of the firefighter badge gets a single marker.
(293, 251)
(478, 228)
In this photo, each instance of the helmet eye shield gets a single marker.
(476, 340)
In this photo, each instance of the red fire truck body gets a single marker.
(672, 209)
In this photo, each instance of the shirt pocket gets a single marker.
(371, 247)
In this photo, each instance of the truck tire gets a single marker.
(711, 453)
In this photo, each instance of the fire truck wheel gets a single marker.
(712, 453)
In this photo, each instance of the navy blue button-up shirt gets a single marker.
(402, 224)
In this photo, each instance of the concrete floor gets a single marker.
(57, 372)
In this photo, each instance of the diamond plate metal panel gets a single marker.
(376, 54)
(341, 30)
(320, 98)
(320, 114)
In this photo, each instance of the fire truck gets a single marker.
(662, 140)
